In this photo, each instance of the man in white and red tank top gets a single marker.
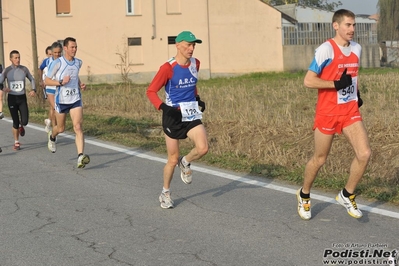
(334, 73)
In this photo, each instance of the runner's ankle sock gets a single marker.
(51, 138)
(165, 190)
(303, 195)
(184, 161)
(346, 193)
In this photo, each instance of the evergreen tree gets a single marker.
(322, 4)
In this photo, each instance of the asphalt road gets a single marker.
(52, 213)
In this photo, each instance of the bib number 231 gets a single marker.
(190, 111)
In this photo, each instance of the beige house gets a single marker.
(135, 37)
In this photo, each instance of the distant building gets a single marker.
(314, 26)
(310, 27)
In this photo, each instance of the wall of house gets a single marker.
(299, 57)
(102, 35)
(238, 36)
(241, 37)
(248, 41)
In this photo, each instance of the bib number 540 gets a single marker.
(348, 90)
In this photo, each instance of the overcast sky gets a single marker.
(360, 6)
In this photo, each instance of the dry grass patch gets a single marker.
(261, 123)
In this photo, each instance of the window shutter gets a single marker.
(63, 6)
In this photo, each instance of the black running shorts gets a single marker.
(175, 128)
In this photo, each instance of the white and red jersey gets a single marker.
(329, 63)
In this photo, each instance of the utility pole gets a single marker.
(1, 36)
(2, 98)
(34, 47)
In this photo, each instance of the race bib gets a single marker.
(349, 93)
(190, 111)
(17, 86)
(69, 92)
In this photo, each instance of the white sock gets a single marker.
(184, 161)
(165, 190)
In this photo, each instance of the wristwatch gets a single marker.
(61, 82)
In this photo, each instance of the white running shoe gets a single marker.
(186, 173)
(350, 204)
(51, 144)
(47, 122)
(83, 160)
(166, 201)
(304, 210)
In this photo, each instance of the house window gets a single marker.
(130, 7)
(172, 39)
(171, 46)
(133, 7)
(63, 7)
(135, 51)
(134, 41)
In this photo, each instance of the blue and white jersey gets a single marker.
(49, 89)
(58, 69)
(44, 63)
(45, 69)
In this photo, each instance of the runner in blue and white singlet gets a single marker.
(43, 65)
(45, 71)
(64, 73)
(49, 91)
(70, 92)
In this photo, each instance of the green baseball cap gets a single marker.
(187, 36)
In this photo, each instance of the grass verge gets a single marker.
(259, 124)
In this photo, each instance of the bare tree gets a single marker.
(388, 23)
(388, 31)
(124, 64)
